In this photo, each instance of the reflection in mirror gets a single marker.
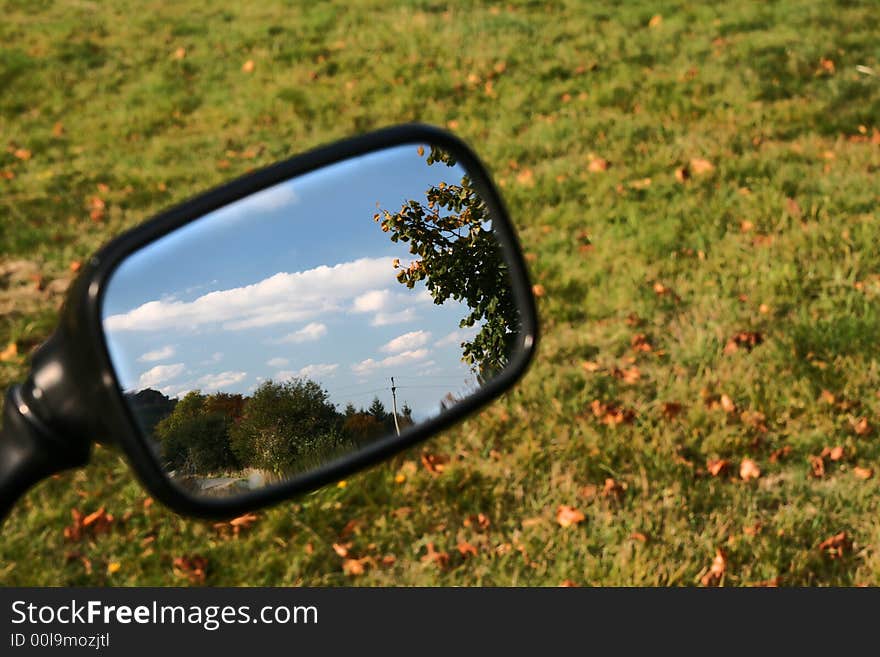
(307, 320)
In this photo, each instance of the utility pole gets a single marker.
(394, 405)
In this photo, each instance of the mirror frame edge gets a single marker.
(84, 306)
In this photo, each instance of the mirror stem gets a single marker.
(29, 451)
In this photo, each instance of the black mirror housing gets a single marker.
(73, 396)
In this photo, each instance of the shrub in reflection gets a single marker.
(283, 428)
(287, 427)
(194, 438)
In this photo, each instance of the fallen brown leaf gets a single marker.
(434, 463)
(863, 473)
(861, 427)
(835, 547)
(817, 466)
(466, 549)
(752, 530)
(567, 516)
(670, 410)
(613, 489)
(9, 353)
(640, 342)
(629, 375)
(701, 167)
(526, 178)
(749, 470)
(744, 339)
(598, 165)
(355, 567)
(611, 414)
(716, 570)
(727, 404)
(194, 568)
(244, 521)
(717, 467)
(248, 66)
(441, 559)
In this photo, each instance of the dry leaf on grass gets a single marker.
(836, 547)
(716, 570)
(863, 473)
(747, 340)
(434, 463)
(700, 166)
(9, 353)
(861, 427)
(598, 165)
(465, 549)
(640, 342)
(567, 516)
(441, 559)
(717, 467)
(613, 489)
(670, 410)
(749, 470)
(194, 568)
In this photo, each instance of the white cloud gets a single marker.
(160, 374)
(308, 333)
(318, 370)
(158, 354)
(407, 342)
(371, 301)
(211, 382)
(397, 360)
(400, 317)
(277, 362)
(283, 297)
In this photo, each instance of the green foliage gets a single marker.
(194, 437)
(459, 257)
(286, 427)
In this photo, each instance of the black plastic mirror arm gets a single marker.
(29, 451)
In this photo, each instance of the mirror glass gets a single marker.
(310, 319)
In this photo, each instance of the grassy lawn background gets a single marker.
(683, 177)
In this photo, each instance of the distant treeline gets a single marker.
(283, 428)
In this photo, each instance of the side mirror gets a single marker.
(284, 330)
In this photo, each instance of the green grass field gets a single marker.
(683, 178)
